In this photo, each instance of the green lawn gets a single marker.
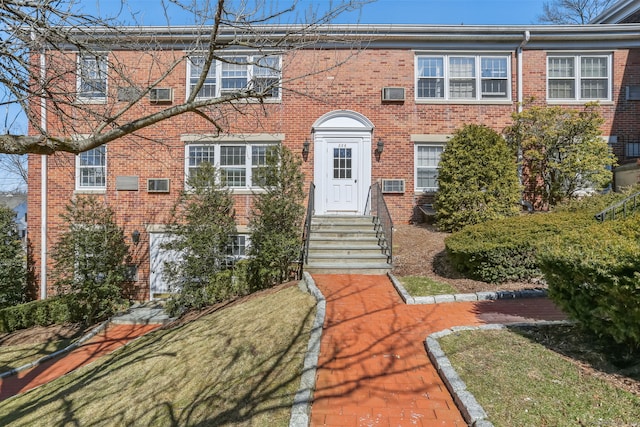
(14, 356)
(520, 382)
(236, 366)
(420, 286)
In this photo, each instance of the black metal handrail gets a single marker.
(625, 207)
(376, 206)
(306, 232)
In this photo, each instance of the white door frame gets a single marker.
(349, 127)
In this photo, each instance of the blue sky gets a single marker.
(467, 12)
(454, 12)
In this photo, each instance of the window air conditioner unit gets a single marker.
(393, 185)
(393, 94)
(633, 93)
(158, 185)
(161, 94)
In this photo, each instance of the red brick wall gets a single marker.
(353, 81)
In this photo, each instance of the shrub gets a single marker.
(12, 261)
(203, 223)
(90, 259)
(507, 249)
(503, 250)
(594, 275)
(561, 151)
(277, 222)
(36, 313)
(477, 179)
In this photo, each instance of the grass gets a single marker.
(236, 366)
(419, 286)
(521, 382)
(15, 356)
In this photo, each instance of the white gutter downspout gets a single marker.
(43, 185)
(527, 36)
(525, 40)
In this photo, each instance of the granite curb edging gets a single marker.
(95, 331)
(92, 333)
(478, 296)
(301, 408)
(472, 412)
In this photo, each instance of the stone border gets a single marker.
(478, 296)
(301, 408)
(469, 407)
(67, 349)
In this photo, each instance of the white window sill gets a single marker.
(576, 102)
(247, 100)
(90, 191)
(465, 101)
(89, 101)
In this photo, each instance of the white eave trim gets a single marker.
(618, 12)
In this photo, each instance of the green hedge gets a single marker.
(506, 249)
(47, 312)
(594, 275)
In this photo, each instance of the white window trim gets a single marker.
(217, 65)
(216, 156)
(80, 98)
(80, 188)
(415, 165)
(578, 64)
(247, 243)
(478, 77)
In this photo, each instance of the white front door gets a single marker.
(157, 257)
(341, 185)
(342, 163)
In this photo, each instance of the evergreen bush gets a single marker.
(477, 179)
(90, 260)
(12, 261)
(47, 312)
(593, 274)
(201, 231)
(276, 225)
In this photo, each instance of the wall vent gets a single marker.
(128, 94)
(127, 183)
(393, 185)
(633, 93)
(158, 185)
(161, 94)
(393, 94)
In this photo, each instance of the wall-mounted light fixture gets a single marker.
(135, 237)
(379, 146)
(305, 147)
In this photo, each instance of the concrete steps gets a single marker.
(345, 245)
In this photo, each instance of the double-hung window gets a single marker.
(92, 77)
(463, 77)
(239, 164)
(236, 73)
(427, 159)
(579, 77)
(91, 169)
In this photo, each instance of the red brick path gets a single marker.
(373, 367)
(105, 342)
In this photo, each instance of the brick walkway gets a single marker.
(373, 367)
(105, 342)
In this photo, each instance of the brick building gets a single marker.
(378, 107)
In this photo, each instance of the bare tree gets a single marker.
(13, 169)
(50, 55)
(572, 11)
